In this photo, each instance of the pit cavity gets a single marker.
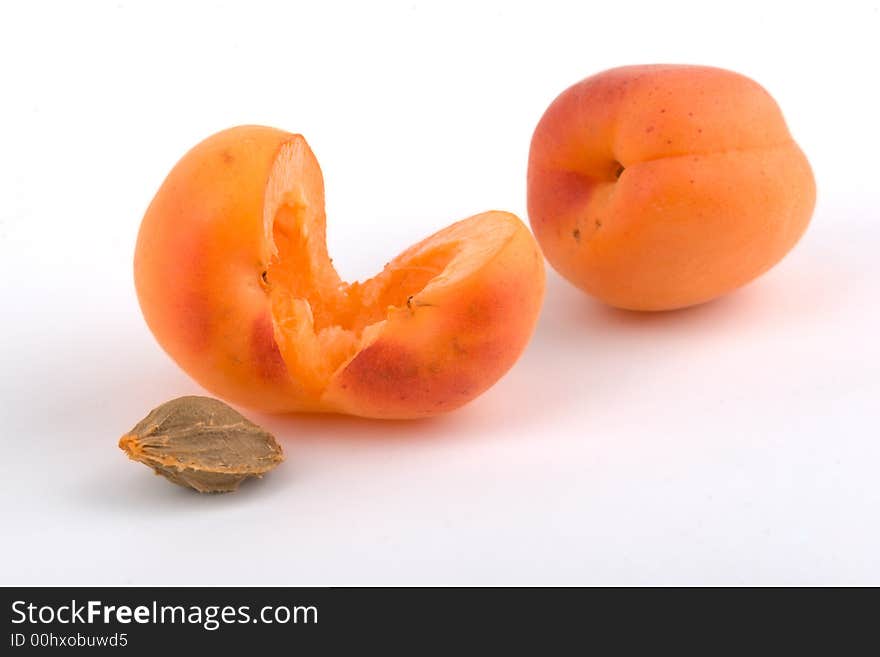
(320, 319)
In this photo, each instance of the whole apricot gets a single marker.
(234, 279)
(659, 187)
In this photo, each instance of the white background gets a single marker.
(732, 443)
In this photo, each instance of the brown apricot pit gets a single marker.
(203, 444)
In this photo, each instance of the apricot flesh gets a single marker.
(659, 187)
(234, 280)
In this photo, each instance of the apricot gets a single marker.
(659, 187)
(234, 280)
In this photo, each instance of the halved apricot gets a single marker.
(234, 280)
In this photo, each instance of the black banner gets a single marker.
(413, 620)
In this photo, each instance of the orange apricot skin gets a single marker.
(665, 186)
(450, 344)
(198, 262)
(199, 259)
